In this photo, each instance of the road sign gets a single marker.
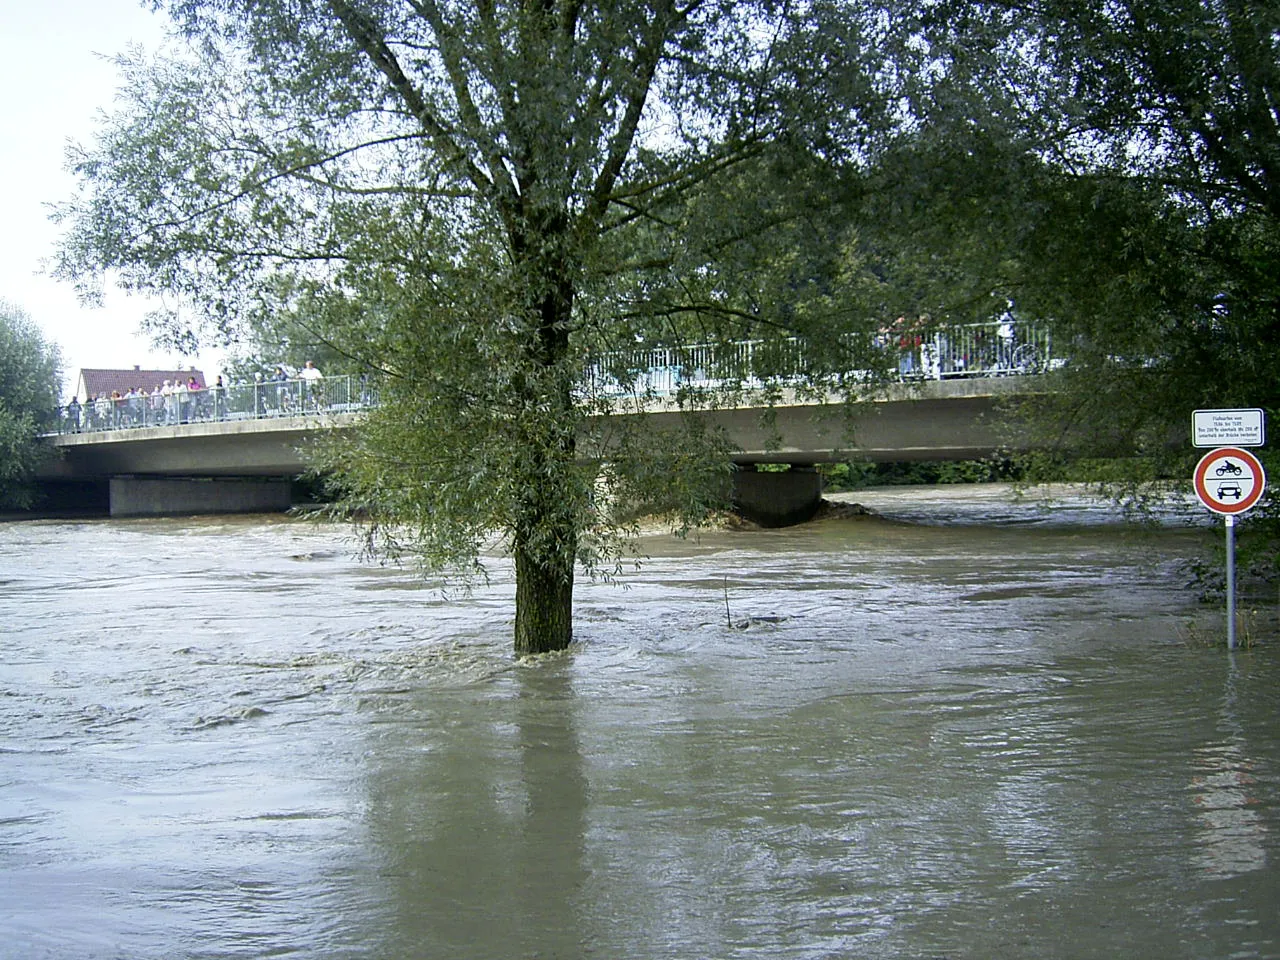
(1237, 428)
(1229, 480)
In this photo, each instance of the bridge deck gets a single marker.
(930, 420)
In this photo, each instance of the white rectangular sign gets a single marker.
(1228, 428)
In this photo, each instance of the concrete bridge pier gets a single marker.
(777, 499)
(178, 496)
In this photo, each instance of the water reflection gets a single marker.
(1225, 793)
(1226, 801)
(550, 870)
(478, 809)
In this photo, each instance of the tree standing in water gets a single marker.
(480, 200)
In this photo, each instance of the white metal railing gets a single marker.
(982, 350)
(970, 350)
(242, 401)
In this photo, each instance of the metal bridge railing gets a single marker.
(259, 400)
(980, 350)
(971, 350)
(746, 363)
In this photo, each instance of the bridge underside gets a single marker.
(236, 448)
(948, 420)
(928, 428)
(243, 466)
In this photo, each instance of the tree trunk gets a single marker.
(544, 602)
(545, 541)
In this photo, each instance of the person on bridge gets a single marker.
(311, 378)
(281, 380)
(195, 400)
(133, 402)
(102, 412)
(170, 402)
(1004, 335)
(182, 400)
(219, 391)
(909, 341)
(158, 402)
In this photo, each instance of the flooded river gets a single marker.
(966, 729)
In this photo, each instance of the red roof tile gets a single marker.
(100, 383)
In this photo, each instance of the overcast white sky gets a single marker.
(54, 84)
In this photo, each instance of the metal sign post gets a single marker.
(1230, 522)
(1229, 481)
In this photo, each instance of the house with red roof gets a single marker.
(101, 383)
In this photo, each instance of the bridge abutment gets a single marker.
(177, 496)
(777, 498)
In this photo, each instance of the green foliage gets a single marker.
(859, 475)
(1107, 168)
(1040, 467)
(29, 380)
(839, 477)
(478, 202)
(289, 341)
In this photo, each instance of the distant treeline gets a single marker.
(1030, 468)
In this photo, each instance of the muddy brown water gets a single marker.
(971, 728)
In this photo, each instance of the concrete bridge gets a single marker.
(246, 465)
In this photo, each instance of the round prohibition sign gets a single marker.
(1229, 480)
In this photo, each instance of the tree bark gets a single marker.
(546, 534)
(544, 602)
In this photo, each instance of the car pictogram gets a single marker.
(1229, 490)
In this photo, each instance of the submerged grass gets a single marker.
(1249, 630)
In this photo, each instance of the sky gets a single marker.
(55, 83)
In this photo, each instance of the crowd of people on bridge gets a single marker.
(178, 400)
(998, 349)
(174, 401)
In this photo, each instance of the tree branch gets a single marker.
(452, 55)
(370, 40)
(642, 71)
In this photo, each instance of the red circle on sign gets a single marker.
(1229, 480)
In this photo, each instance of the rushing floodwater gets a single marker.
(967, 730)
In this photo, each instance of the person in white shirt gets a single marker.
(170, 402)
(311, 378)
